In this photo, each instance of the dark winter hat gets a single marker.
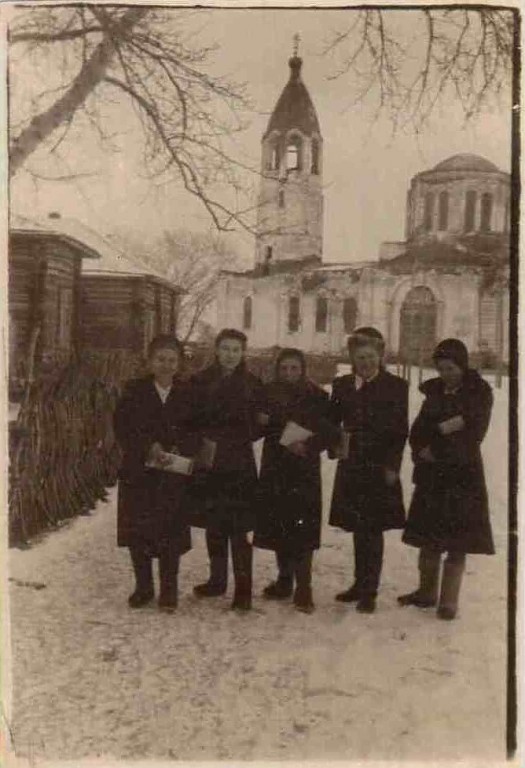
(452, 349)
(166, 341)
(231, 333)
(366, 336)
(287, 353)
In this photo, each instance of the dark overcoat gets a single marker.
(289, 493)
(225, 411)
(376, 416)
(449, 507)
(151, 510)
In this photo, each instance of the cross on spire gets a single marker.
(296, 41)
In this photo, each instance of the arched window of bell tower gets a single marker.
(273, 156)
(294, 152)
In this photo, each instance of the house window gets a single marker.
(486, 212)
(293, 154)
(321, 315)
(470, 210)
(428, 215)
(281, 198)
(443, 211)
(349, 314)
(315, 156)
(293, 314)
(247, 313)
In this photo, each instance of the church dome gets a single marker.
(466, 162)
(294, 109)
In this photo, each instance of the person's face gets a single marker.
(366, 361)
(290, 370)
(164, 364)
(450, 373)
(229, 354)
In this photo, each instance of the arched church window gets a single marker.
(293, 314)
(349, 314)
(486, 212)
(247, 309)
(293, 154)
(315, 156)
(470, 210)
(281, 198)
(443, 211)
(321, 315)
(428, 214)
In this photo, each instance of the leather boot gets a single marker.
(217, 584)
(453, 570)
(142, 567)
(303, 599)
(242, 557)
(168, 572)
(427, 593)
(283, 586)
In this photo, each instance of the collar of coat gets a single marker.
(471, 382)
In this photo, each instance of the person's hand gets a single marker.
(391, 477)
(158, 455)
(426, 454)
(455, 424)
(263, 419)
(298, 449)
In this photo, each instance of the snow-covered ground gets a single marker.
(92, 678)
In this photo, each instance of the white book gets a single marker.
(294, 433)
(179, 465)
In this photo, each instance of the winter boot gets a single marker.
(168, 572)
(218, 581)
(142, 567)
(453, 570)
(242, 557)
(427, 593)
(350, 595)
(302, 598)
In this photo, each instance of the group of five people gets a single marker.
(214, 417)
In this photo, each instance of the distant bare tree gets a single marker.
(148, 57)
(463, 53)
(191, 260)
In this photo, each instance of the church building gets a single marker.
(448, 277)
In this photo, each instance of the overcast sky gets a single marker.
(367, 171)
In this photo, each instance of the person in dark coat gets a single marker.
(226, 399)
(289, 491)
(150, 420)
(449, 509)
(372, 405)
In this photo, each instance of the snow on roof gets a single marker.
(109, 258)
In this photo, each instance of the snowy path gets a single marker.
(92, 678)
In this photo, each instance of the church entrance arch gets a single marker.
(417, 327)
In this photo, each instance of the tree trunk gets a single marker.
(63, 110)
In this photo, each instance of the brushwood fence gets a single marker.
(63, 454)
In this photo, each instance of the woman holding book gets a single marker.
(289, 494)
(151, 425)
(449, 509)
(372, 406)
(226, 399)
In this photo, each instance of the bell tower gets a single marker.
(290, 203)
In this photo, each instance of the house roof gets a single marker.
(107, 258)
(464, 163)
(66, 230)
